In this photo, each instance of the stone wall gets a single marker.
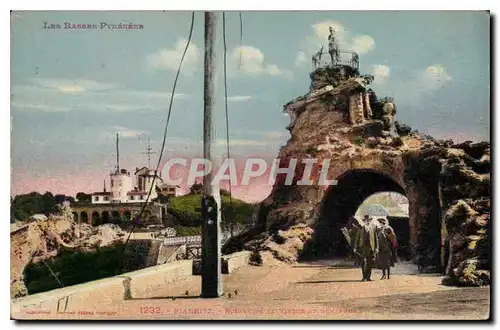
(356, 110)
(139, 284)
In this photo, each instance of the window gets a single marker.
(131, 197)
(111, 183)
(96, 198)
(106, 198)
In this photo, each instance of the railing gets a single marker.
(342, 57)
(169, 241)
(189, 240)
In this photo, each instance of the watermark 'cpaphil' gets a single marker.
(284, 171)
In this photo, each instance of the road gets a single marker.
(324, 290)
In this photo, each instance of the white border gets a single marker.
(189, 5)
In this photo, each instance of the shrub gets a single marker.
(188, 231)
(402, 129)
(73, 268)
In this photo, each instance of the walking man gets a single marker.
(366, 245)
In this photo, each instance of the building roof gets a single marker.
(148, 170)
(138, 192)
(101, 193)
(166, 185)
(140, 169)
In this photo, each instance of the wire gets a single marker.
(241, 41)
(225, 101)
(134, 224)
(53, 274)
(225, 92)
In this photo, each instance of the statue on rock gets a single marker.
(333, 48)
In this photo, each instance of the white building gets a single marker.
(126, 188)
(169, 190)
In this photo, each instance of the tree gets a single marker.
(236, 215)
(25, 205)
(368, 79)
(83, 198)
(59, 199)
(196, 189)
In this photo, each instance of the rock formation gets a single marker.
(39, 240)
(341, 119)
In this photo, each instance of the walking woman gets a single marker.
(386, 256)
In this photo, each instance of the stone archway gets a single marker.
(96, 218)
(127, 215)
(146, 215)
(341, 201)
(84, 217)
(116, 217)
(105, 217)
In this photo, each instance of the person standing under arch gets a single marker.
(387, 248)
(366, 245)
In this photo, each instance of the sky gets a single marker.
(72, 90)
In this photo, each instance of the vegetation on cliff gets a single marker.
(187, 211)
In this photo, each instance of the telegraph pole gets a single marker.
(211, 285)
(149, 152)
(117, 155)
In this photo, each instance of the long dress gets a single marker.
(385, 257)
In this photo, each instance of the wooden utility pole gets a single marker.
(211, 285)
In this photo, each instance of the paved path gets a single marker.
(308, 291)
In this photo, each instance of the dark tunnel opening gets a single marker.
(341, 202)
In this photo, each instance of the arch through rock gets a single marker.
(341, 202)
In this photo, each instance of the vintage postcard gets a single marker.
(315, 165)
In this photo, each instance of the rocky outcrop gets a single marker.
(367, 155)
(42, 239)
(465, 193)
